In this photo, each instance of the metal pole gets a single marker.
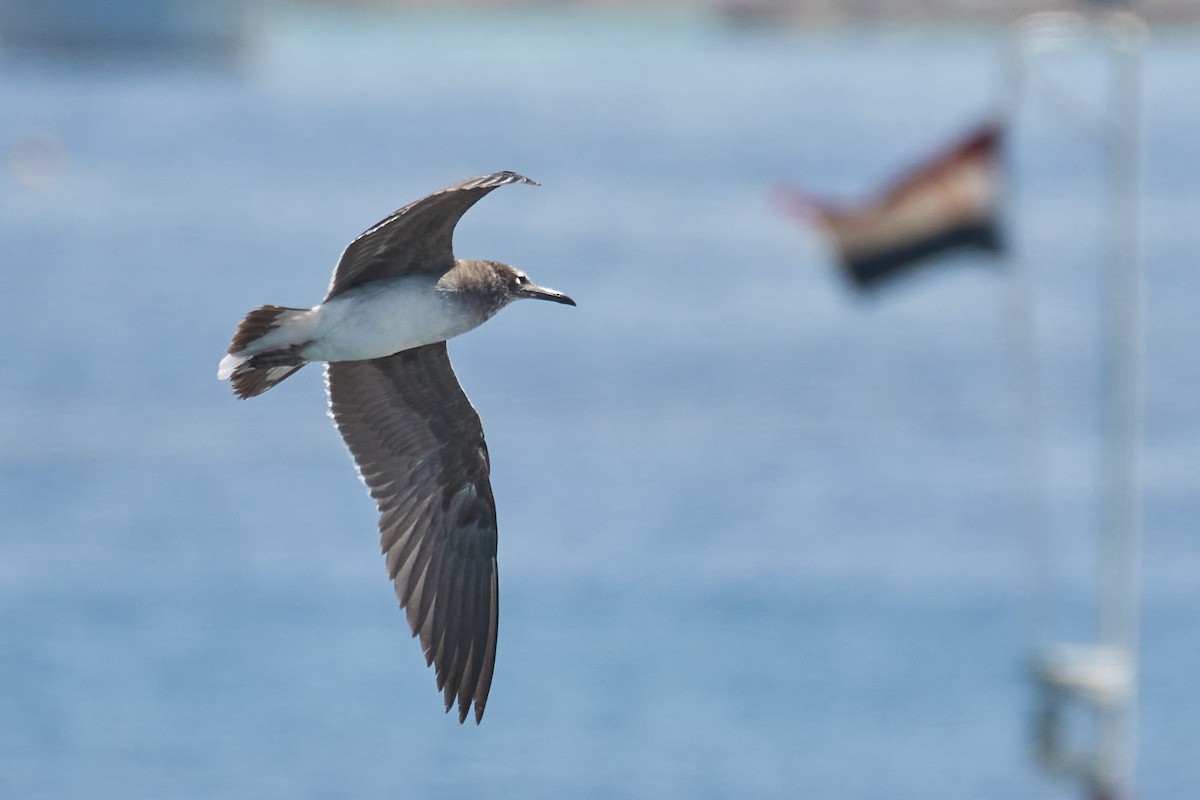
(1121, 527)
(1102, 676)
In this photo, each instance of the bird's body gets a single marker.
(397, 295)
(375, 319)
(385, 317)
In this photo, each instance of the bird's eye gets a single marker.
(522, 279)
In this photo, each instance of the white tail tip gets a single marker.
(228, 364)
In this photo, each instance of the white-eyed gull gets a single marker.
(397, 295)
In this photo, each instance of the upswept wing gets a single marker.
(417, 238)
(420, 450)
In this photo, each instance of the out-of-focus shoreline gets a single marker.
(825, 11)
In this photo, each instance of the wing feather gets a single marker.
(416, 238)
(419, 448)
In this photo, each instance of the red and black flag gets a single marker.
(950, 202)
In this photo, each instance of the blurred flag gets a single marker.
(948, 203)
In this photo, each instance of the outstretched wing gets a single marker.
(417, 238)
(419, 448)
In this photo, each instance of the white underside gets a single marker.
(386, 317)
(372, 321)
(228, 365)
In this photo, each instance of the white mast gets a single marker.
(1097, 676)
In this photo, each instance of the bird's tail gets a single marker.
(261, 353)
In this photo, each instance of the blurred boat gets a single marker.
(124, 26)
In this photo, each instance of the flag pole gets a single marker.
(1099, 676)
(1124, 392)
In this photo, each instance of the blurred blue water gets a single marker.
(758, 535)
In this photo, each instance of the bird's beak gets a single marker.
(542, 293)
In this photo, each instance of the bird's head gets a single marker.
(513, 284)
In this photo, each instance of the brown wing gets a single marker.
(417, 238)
(419, 448)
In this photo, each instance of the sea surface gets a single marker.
(761, 537)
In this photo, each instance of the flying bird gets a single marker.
(397, 294)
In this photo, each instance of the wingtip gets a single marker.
(509, 176)
(464, 703)
(464, 710)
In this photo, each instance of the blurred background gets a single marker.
(761, 535)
